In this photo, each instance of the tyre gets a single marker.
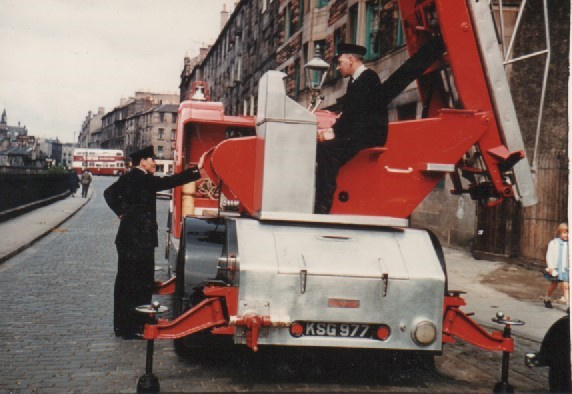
(179, 303)
(187, 296)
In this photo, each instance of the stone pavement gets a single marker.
(496, 286)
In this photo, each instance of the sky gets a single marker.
(60, 59)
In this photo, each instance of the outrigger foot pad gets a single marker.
(503, 387)
(148, 383)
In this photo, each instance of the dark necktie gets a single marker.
(351, 80)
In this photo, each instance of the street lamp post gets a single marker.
(315, 71)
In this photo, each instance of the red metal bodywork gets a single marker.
(212, 312)
(167, 287)
(215, 311)
(458, 324)
(202, 126)
(395, 182)
(389, 181)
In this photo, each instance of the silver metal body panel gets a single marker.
(383, 221)
(344, 263)
(502, 99)
(286, 151)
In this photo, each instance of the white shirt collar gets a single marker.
(142, 169)
(358, 72)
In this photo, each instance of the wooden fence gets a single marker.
(509, 230)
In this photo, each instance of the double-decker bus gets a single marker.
(99, 161)
(164, 167)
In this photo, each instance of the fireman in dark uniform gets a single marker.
(362, 123)
(132, 198)
(364, 115)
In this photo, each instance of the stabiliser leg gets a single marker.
(457, 324)
(149, 383)
(504, 386)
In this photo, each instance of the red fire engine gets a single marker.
(252, 260)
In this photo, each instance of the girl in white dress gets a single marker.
(557, 264)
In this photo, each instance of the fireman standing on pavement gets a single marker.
(132, 198)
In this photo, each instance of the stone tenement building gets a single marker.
(146, 119)
(283, 35)
(261, 35)
(90, 128)
(243, 52)
(157, 126)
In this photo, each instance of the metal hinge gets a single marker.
(385, 280)
(303, 276)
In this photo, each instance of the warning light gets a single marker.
(296, 330)
(383, 332)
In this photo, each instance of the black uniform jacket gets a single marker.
(363, 118)
(132, 198)
(364, 106)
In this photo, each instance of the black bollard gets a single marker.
(504, 386)
(149, 383)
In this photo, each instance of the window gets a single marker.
(287, 22)
(372, 32)
(322, 3)
(289, 18)
(161, 132)
(173, 134)
(238, 72)
(159, 151)
(384, 32)
(337, 39)
(353, 23)
(297, 78)
(301, 14)
(400, 39)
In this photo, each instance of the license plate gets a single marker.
(346, 330)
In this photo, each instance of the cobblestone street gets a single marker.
(56, 335)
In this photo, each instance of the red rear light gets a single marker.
(383, 332)
(296, 329)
